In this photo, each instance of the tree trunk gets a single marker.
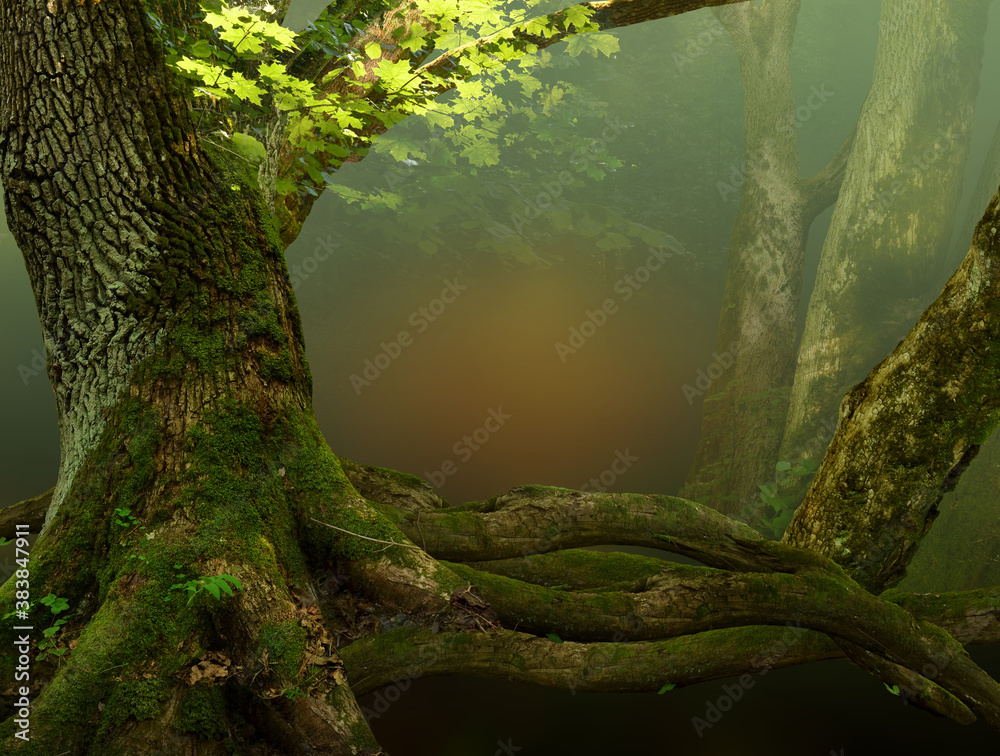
(908, 431)
(881, 260)
(752, 368)
(189, 445)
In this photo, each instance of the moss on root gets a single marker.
(203, 712)
(132, 699)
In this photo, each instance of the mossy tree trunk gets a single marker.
(910, 429)
(190, 451)
(744, 406)
(189, 444)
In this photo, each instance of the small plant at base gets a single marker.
(125, 518)
(773, 517)
(292, 693)
(48, 645)
(213, 584)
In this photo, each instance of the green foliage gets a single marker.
(665, 688)
(48, 644)
(240, 74)
(292, 693)
(125, 518)
(773, 514)
(213, 584)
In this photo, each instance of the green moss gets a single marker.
(234, 487)
(448, 580)
(315, 474)
(132, 699)
(277, 368)
(284, 644)
(203, 712)
(395, 641)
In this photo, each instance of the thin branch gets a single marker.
(367, 538)
(823, 188)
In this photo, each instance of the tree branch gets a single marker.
(30, 512)
(823, 188)
(536, 519)
(407, 653)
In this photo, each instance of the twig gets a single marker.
(367, 538)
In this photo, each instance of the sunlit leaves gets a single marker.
(248, 32)
(239, 71)
(397, 75)
(400, 149)
(249, 147)
(595, 44)
(482, 153)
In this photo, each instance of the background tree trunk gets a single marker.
(752, 368)
(881, 263)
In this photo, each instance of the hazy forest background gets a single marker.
(669, 104)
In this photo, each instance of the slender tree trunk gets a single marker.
(744, 407)
(881, 260)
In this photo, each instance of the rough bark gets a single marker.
(176, 356)
(910, 429)
(881, 259)
(752, 368)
